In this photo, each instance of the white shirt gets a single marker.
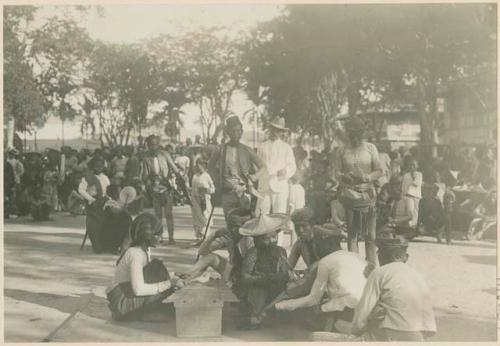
(276, 155)
(202, 181)
(397, 296)
(297, 197)
(156, 166)
(89, 193)
(131, 268)
(341, 276)
(183, 163)
(411, 186)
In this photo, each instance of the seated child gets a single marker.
(431, 212)
(40, 204)
(403, 217)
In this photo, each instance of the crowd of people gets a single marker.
(273, 198)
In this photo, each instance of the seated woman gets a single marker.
(265, 271)
(140, 285)
(485, 217)
(341, 278)
(431, 213)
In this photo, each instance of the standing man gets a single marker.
(18, 168)
(157, 163)
(234, 167)
(280, 166)
(358, 169)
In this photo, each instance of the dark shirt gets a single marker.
(224, 172)
(430, 213)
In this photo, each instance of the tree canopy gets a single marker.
(313, 65)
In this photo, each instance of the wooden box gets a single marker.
(198, 312)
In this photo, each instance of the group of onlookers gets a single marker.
(453, 191)
(273, 198)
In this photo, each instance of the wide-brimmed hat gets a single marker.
(278, 123)
(264, 224)
(354, 124)
(392, 242)
(127, 195)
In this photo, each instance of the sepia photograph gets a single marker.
(250, 172)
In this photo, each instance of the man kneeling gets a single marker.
(396, 302)
(340, 277)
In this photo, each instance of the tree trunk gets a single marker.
(62, 131)
(426, 133)
(11, 125)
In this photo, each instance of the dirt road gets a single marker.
(55, 292)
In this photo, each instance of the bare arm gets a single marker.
(314, 297)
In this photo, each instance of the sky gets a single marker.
(133, 23)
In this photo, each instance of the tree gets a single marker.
(208, 65)
(121, 84)
(23, 100)
(59, 51)
(375, 56)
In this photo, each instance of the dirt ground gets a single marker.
(55, 292)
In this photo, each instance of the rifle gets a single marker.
(182, 184)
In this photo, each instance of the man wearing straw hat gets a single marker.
(279, 168)
(265, 271)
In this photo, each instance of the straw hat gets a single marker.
(278, 123)
(264, 224)
(127, 195)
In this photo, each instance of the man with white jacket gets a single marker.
(279, 168)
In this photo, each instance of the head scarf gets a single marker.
(137, 230)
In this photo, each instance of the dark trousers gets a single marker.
(230, 200)
(362, 221)
(41, 212)
(258, 297)
(447, 226)
(94, 223)
(165, 205)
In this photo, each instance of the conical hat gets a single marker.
(264, 224)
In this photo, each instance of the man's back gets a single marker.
(396, 297)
